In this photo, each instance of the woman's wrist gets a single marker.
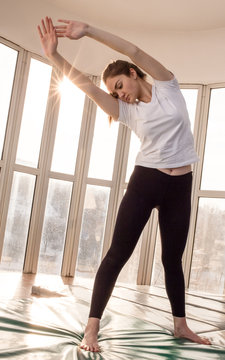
(52, 56)
(113, 41)
(89, 30)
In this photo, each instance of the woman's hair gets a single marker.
(119, 67)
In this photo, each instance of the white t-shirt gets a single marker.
(162, 125)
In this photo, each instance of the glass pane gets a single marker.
(68, 128)
(8, 58)
(157, 269)
(54, 228)
(191, 96)
(208, 262)
(18, 222)
(213, 177)
(130, 270)
(92, 231)
(133, 150)
(33, 113)
(103, 146)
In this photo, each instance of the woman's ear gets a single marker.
(133, 73)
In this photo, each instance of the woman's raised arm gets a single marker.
(49, 43)
(76, 30)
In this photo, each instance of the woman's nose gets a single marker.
(121, 94)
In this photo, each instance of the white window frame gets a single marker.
(80, 177)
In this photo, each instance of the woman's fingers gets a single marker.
(60, 33)
(40, 33)
(65, 21)
(51, 24)
(47, 27)
(60, 30)
(61, 27)
(43, 26)
(47, 24)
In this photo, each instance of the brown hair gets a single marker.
(118, 67)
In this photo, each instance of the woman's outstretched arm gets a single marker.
(76, 30)
(49, 43)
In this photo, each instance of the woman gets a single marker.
(162, 177)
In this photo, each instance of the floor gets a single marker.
(136, 324)
(18, 285)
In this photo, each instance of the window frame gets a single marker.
(80, 177)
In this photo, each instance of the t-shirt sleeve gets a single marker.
(168, 84)
(126, 114)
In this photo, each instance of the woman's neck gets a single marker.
(145, 91)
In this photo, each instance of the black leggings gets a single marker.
(147, 189)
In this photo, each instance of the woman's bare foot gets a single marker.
(90, 339)
(181, 330)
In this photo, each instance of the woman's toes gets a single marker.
(84, 347)
(206, 341)
(92, 347)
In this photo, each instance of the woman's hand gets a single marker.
(48, 37)
(74, 30)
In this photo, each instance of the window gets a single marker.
(97, 194)
(34, 113)
(8, 59)
(208, 262)
(55, 225)
(103, 146)
(208, 259)
(18, 222)
(92, 233)
(213, 177)
(68, 128)
(78, 184)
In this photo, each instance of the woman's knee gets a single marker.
(172, 264)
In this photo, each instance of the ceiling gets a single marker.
(187, 36)
(187, 15)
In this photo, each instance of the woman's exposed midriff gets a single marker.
(177, 171)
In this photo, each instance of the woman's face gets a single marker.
(124, 87)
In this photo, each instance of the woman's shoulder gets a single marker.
(167, 84)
